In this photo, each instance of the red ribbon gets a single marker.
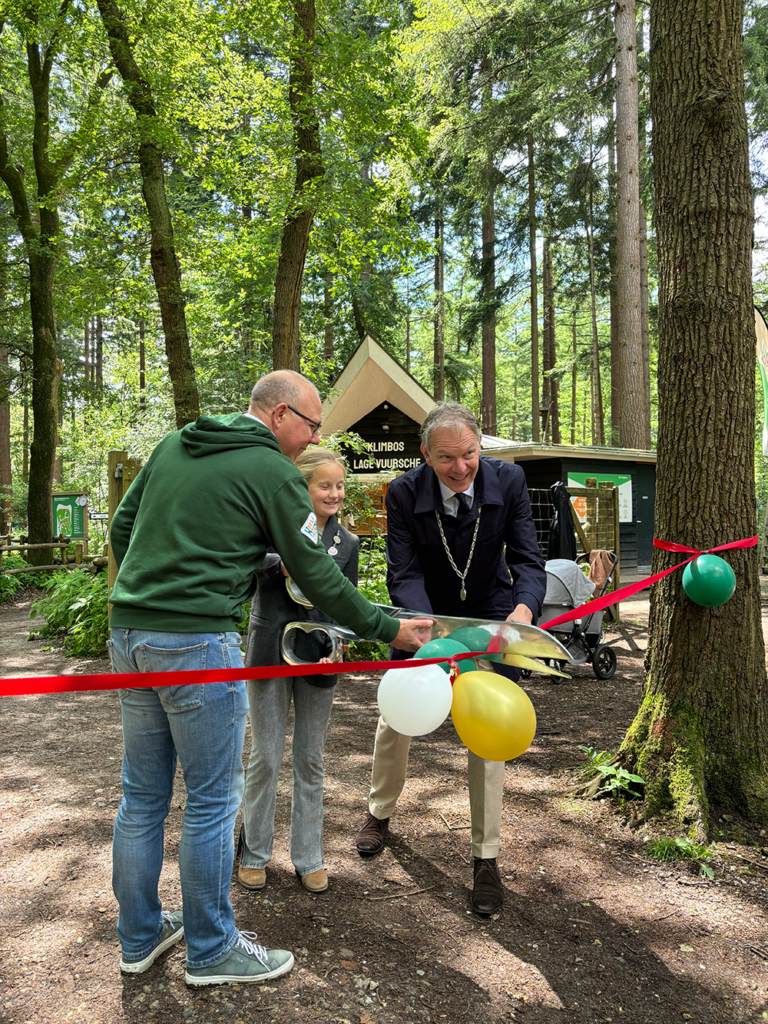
(616, 596)
(23, 686)
(28, 685)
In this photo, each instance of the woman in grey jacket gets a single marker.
(270, 699)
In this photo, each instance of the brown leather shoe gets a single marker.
(370, 839)
(252, 878)
(315, 881)
(487, 892)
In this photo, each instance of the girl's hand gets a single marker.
(283, 570)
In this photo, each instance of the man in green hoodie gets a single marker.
(187, 537)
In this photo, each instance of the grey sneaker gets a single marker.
(173, 932)
(246, 963)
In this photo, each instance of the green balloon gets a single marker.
(445, 648)
(475, 639)
(709, 581)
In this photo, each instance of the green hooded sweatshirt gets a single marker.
(196, 524)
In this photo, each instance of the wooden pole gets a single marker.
(122, 471)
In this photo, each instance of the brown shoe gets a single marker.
(252, 878)
(315, 881)
(370, 839)
(487, 892)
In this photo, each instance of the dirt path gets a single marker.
(592, 930)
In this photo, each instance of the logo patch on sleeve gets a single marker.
(309, 529)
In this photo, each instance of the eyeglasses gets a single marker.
(315, 426)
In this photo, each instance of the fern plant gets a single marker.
(76, 603)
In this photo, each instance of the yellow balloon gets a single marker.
(492, 715)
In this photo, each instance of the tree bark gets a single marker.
(166, 269)
(551, 345)
(40, 234)
(328, 316)
(294, 243)
(598, 422)
(546, 380)
(488, 285)
(535, 411)
(574, 378)
(6, 471)
(614, 311)
(700, 738)
(142, 370)
(99, 353)
(439, 310)
(629, 369)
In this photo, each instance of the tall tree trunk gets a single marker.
(99, 355)
(6, 471)
(142, 370)
(614, 310)
(598, 422)
(535, 411)
(574, 378)
(328, 316)
(700, 738)
(166, 269)
(488, 285)
(629, 341)
(87, 351)
(546, 380)
(554, 386)
(645, 333)
(25, 431)
(408, 321)
(294, 243)
(40, 233)
(438, 377)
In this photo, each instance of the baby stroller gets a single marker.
(567, 588)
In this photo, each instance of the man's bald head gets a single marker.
(289, 405)
(279, 386)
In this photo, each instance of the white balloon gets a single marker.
(415, 701)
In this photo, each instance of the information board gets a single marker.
(621, 480)
(69, 515)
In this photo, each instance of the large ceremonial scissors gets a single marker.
(519, 644)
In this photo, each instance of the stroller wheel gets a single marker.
(604, 662)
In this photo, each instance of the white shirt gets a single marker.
(252, 417)
(451, 502)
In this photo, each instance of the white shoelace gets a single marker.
(166, 916)
(247, 942)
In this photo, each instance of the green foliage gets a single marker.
(11, 585)
(372, 585)
(76, 603)
(667, 849)
(615, 780)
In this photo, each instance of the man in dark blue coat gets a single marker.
(460, 541)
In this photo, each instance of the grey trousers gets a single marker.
(486, 788)
(270, 700)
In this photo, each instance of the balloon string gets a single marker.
(591, 607)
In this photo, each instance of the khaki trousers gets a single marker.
(486, 788)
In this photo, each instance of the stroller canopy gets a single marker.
(566, 583)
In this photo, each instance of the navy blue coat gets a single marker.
(419, 574)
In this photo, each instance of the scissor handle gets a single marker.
(290, 656)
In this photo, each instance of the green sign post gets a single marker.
(69, 516)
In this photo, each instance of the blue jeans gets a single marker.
(204, 725)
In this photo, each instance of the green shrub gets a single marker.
(11, 585)
(682, 849)
(76, 603)
(614, 780)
